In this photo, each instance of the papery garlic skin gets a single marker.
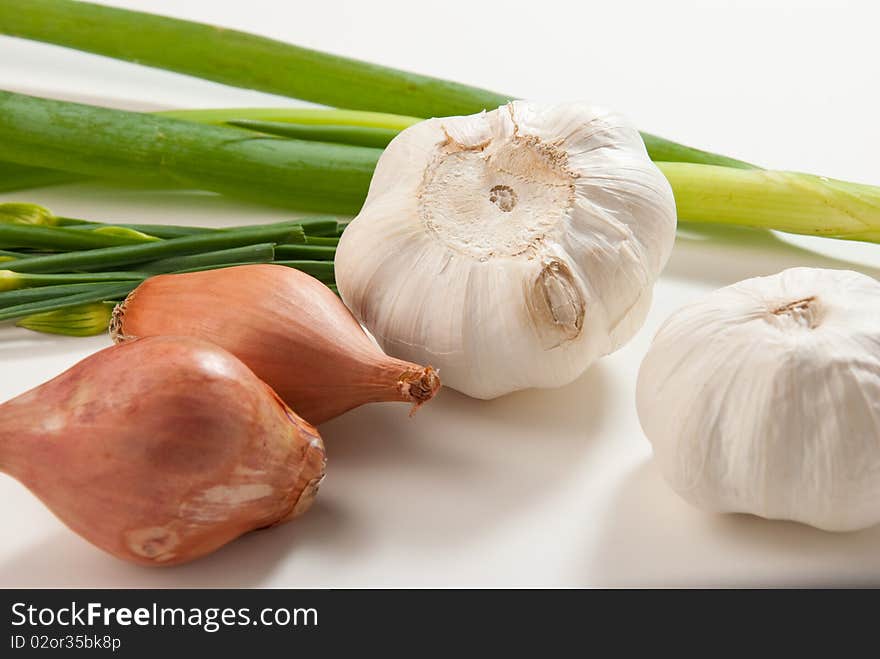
(764, 398)
(509, 249)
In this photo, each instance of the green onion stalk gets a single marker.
(308, 169)
(99, 293)
(61, 291)
(334, 178)
(128, 255)
(14, 176)
(149, 149)
(313, 124)
(250, 61)
(10, 280)
(48, 294)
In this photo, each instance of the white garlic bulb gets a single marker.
(764, 398)
(509, 249)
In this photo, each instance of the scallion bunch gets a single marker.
(75, 266)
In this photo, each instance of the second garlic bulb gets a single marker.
(509, 249)
(764, 398)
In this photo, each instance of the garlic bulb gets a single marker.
(765, 398)
(509, 249)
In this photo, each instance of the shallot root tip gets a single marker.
(116, 319)
(305, 499)
(418, 386)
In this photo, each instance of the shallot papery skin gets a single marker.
(161, 450)
(289, 328)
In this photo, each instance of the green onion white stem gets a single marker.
(785, 201)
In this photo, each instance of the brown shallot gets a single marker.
(161, 450)
(289, 328)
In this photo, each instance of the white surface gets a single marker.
(541, 487)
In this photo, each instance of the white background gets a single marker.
(550, 487)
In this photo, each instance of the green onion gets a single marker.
(60, 238)
(336, 177)
(168, 231)
(13, 212)
(314, 252)
(325, 228)
(155, 231)
(220, 266)
(239, 59)
(10, 280)
(73, 222)
(80, 320)
(14, 176)
(132, 254)
(785, 201)
(321, 270)
(260, 253)
(27, 295)
(146, 149)
(124, 232)
(101, 293)
(311, 225)
(320, 240)
(303, 116)
(246, 60)
(355, 135)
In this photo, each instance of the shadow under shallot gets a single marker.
(64, 559)
(431, 486)
(20, 343)
(394, 485)
(651, 537)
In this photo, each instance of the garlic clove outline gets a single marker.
(764, 398)
(161, 450)
(510, 249)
